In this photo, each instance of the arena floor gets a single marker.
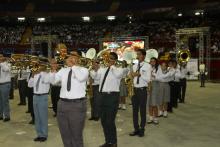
(194, 124)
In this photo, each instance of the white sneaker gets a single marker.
(155, 121)
(150, 120)
(165, 114)
(119, 106)
(123, 107)
(160, 113)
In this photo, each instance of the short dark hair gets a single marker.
(79, 53)
(114, 55)
(142, 51)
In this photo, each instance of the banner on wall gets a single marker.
(192, 68)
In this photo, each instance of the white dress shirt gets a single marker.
(78, 82)
(165, 76)
(183, 72)
(95, 81)
(177, 75)
(145, 72)
(113, 78)
(44, 84)
(5, 72)
(24, 74)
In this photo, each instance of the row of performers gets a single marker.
(161, 83)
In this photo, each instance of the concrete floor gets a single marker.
(194, 124)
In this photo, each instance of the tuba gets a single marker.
(183, 56)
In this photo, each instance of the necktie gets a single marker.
(69, 80)
(20, 73)
(105, 76)
(30, 75)
(138, 70)
(38, 82)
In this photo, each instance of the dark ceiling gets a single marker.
(66, 8)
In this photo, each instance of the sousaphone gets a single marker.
(150, 53)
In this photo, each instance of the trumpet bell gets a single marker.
(183, 56)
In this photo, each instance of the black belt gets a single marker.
(113, 92)
(140, 88)
(5, 83)
(41, 94)
(72, 100)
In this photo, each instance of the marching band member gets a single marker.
(72, 106)
(22, 84)
(154, 98)
(55, 91)
(164, 76)
(183, 71)
(30, 93)
(123, 87)
(40, 81)
(95, 100)
(177, 77)
(5, 84)
(110, 78)
(141, 78)
(202, 74)
(174, 86)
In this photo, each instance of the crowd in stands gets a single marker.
(89, 33)
(11, 35)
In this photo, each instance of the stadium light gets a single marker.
(111, 18)
(180, 14)
(86, 18)
(197, 13)
(41, 19)
(21, 18)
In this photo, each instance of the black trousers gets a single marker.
(109, 109)
(182, 89)
(22, 88)
(55, 96)
(95, 102)
(202, 79)
(139, 102)
(11, 96)
(172, 96)
(30, 101)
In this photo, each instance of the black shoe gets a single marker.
(42, 139)
(135, 133)
(96, 119)
(6, 119)
(31, 122)
(141, 133)
(105, 145)
(1, 118)
(91, 118)
(37, 139)
(27, 112)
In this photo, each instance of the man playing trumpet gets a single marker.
(71, 110)
(5, 84)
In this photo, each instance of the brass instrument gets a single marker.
(183, 56)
